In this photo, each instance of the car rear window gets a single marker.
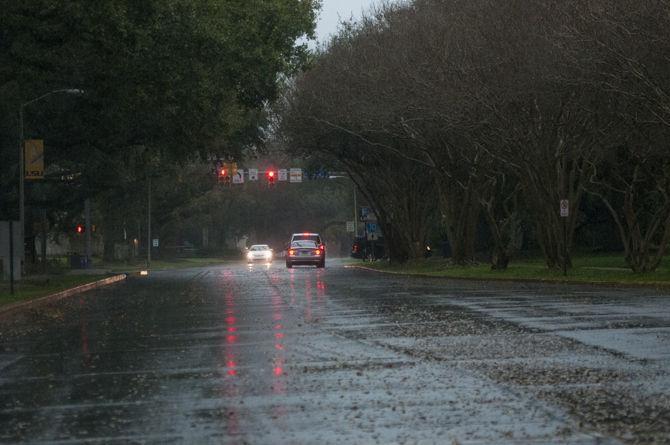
(303, 243)
(314, 238)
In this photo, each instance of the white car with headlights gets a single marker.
(259, 252)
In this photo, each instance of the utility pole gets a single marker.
(148, 220)
(355, 213)
(87, 222)
(43, 238)
(11, 256)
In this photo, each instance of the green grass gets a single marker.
(60, 278)
(586, 268)
(30, 288)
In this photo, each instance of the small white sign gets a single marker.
(238, 177)
(283, 174)
(154, 242)
(565, 208)
(295, 175)
(350, 226)
(253, 174)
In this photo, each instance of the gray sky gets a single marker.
(328, 17)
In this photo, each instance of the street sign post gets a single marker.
(350, 226)
(565, 213)
(372, 231)
(283, 174)
(253, 174)
(366, 214)
(565, 208)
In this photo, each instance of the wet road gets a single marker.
(238, 354)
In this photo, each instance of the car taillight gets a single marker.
(322, 247)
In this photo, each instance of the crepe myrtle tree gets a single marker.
(623, 51)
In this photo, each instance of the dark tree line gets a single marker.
(165, 82)
(458, 110)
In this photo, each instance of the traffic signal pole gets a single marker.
(87, 222)
(355, 213)
(148, 220)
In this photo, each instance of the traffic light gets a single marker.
(79, 229)
(271, 176)
(223, 174)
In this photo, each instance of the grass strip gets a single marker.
(31, 288)
(39, 286)
(599, 269)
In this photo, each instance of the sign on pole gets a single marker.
(295, 175)
(283, 174)
(565, 208)
(154, 242)
(238, 177)
(366, 214)
(33, 152)
(350, 226)
(253, 174)
(372, 231)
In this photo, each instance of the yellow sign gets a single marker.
(34, 159)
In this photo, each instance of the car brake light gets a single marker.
(322, 247)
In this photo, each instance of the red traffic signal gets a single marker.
(271, 176)
(79, 228)
(223, 174)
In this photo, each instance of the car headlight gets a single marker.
(268, 254)
(250, 255)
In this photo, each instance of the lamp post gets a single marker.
(21, 156)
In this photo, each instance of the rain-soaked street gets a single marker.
(256, 354)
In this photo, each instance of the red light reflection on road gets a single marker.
(83, 331)
(228, 358)
(308, 299)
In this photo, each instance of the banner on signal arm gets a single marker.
(295, 175)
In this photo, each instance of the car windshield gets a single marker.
(303, 243)
(259, 247)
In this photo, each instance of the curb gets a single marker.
(62, 294)
(650, 285)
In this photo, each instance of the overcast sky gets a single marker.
(333, 10)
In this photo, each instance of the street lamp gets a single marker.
(21, 160)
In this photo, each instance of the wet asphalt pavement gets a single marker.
(265, 355)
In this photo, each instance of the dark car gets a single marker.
(305, 252)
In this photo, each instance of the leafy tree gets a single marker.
(164, 80)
